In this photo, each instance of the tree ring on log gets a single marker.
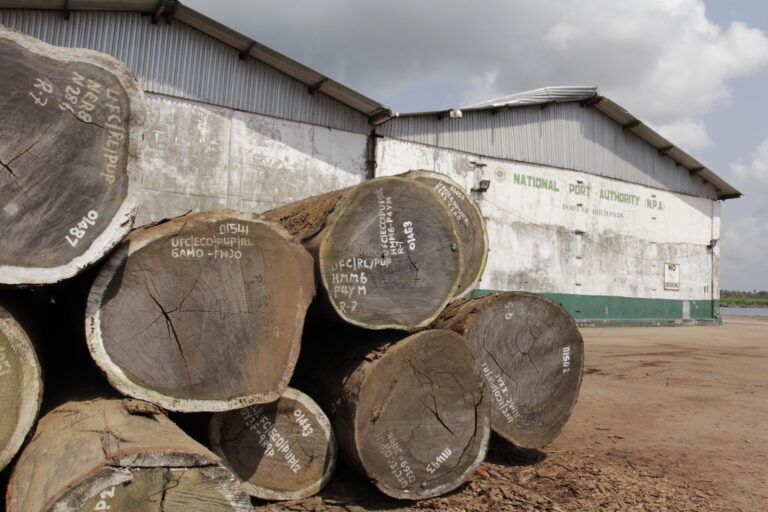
(201, 313)
(21, 386)
(421, 424)
(284, 450)
(70, 138)
(531, 355)
(470, 224)
(391, 259)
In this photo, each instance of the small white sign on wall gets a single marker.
(672, 276)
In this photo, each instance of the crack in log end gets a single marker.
(171, 329)
(14, 177)
(436, 414)
(168, 484)
(67, 108)
(408, 253)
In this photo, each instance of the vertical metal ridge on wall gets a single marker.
(564, 135)
(177, 60)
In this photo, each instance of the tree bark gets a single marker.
(201, 313)
(118, 455)
(21, 386)
(70, 138)
(410, 414)
(386, 251)
(285, 450)
(531, 355)
(470, 225)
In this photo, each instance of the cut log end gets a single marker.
(111, 455)
(69, 145)
(470, 225)
(391, 259)
(284, 450)
(422, 422)
(531, 355)
(203, 312)
(21, 386)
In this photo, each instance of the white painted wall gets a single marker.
(536, 215)
(198, 157)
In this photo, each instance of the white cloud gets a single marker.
(689, 134)
(745, 226)
(757, 170)
(662, 59)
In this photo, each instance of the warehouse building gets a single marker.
(584, 202)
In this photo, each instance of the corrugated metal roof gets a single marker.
(526, 145)
(243, 44)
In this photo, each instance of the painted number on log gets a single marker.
(389, 242)
(270, 440)
(78, 231)
(500, 392)
(40, 92)
(304, 422)
(105, 496)
(450, 196)
(396, 462)
(509, 314)
(410, 236)
(439, 460)
(5, 365)
(225, 246)
(566, 359)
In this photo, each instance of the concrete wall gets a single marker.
(197, 157)
(566, 232)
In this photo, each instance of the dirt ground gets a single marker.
(669, 419)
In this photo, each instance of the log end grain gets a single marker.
(531, 355)
(284, 450)
(391, 258)
(421, 420)
(21, 387)
(470, 224)
(201, 313)
(70, 138)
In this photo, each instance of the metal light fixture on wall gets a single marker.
(482, 186)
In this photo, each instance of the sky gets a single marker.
(695, 70)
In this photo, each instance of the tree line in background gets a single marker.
(744, 298)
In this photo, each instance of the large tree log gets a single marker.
(531, 355)
(470, 225)
(69, 146)
(118, 455)
(280, 451)
(411, 415)
(386, 251)
(21, 386)
(201, 313)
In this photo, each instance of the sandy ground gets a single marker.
(669, 418)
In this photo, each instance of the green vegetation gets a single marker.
(753, 299)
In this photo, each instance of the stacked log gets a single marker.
(409, 413)
(70, 137)
(531, 355)
(470, 225)
(201, 313)
(386, 251)
(21, 386)
(284, 450)
(118, 455)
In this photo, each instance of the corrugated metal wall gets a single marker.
(564, 135)
(177, 60)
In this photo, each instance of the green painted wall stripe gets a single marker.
(606, 309)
